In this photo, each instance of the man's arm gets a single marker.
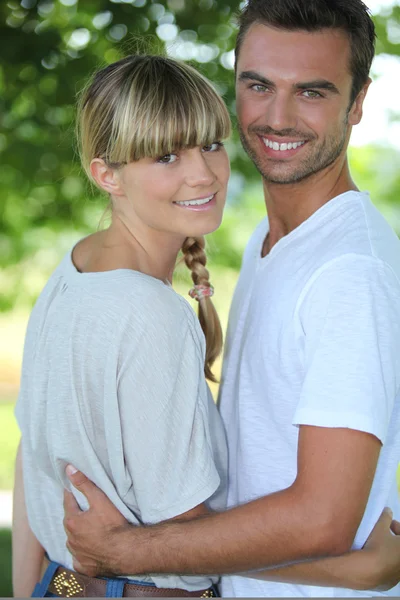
(27, 553)
(318, 515)
(375, 567)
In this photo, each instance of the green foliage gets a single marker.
(9, 442)
(49, 49)
(226, 245)
(387, 30)
(5, 562)
(377, 169)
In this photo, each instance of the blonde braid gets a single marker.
(196, 259)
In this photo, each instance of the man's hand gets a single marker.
(101, 542)
(384, 549)
(95, 535)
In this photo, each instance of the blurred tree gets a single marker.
(49, 47)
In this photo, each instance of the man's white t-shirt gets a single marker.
(314, 339)
(113, 382)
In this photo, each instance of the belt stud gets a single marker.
(67, 586)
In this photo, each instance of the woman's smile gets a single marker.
(198, 204)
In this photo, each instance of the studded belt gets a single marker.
(70, 584)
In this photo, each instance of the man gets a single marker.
(310, 393)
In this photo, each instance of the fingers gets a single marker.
(387, 513)
(77, 478)
(395, 527)
(381, 529)
(386, 517)
(71, 507)
(86, 569)
(69, 547)
(384, 521)
(77, 566)
(83, 484)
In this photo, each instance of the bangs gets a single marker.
(164, 107)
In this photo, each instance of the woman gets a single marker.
(113, 374)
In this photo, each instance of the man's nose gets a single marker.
(281, 113)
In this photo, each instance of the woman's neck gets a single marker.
(119, 247)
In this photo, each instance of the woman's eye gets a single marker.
(167, 159)
(212, 147)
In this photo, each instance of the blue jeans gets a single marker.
(114, 589)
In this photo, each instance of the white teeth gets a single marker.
(282, 147)
(196, 202)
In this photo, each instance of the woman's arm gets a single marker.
(376, 566)
(27, 553)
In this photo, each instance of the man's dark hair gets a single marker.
(351, 16)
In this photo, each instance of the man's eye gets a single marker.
(214, 147)
(167, 159)
(258, 87)
(311, 94)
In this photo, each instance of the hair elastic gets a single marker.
(201, 291)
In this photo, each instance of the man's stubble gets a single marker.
(321, 157)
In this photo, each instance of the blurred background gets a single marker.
(49, 47)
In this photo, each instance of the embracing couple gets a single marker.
(115, 362)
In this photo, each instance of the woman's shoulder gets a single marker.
(162, 324)
(137, 301)
(161, 305)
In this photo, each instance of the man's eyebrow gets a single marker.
(319, 84)
(254, 76)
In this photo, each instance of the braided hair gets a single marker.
(195, 258)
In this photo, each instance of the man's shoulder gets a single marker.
(350, 282)
(359, 226)
(384, 244)
(353, 233)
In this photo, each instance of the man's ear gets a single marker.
(106, 177)
(356, 110)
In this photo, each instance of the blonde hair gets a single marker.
(148, 106)
(195, 259)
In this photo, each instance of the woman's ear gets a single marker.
(106, 177)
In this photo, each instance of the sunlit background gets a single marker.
(49, 47)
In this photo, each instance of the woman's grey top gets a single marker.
(113, 383)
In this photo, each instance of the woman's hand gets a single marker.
(383, 545)
(376, 566)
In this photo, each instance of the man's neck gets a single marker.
(289, 205)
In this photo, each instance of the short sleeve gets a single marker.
(350, 321)
(164, 418)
